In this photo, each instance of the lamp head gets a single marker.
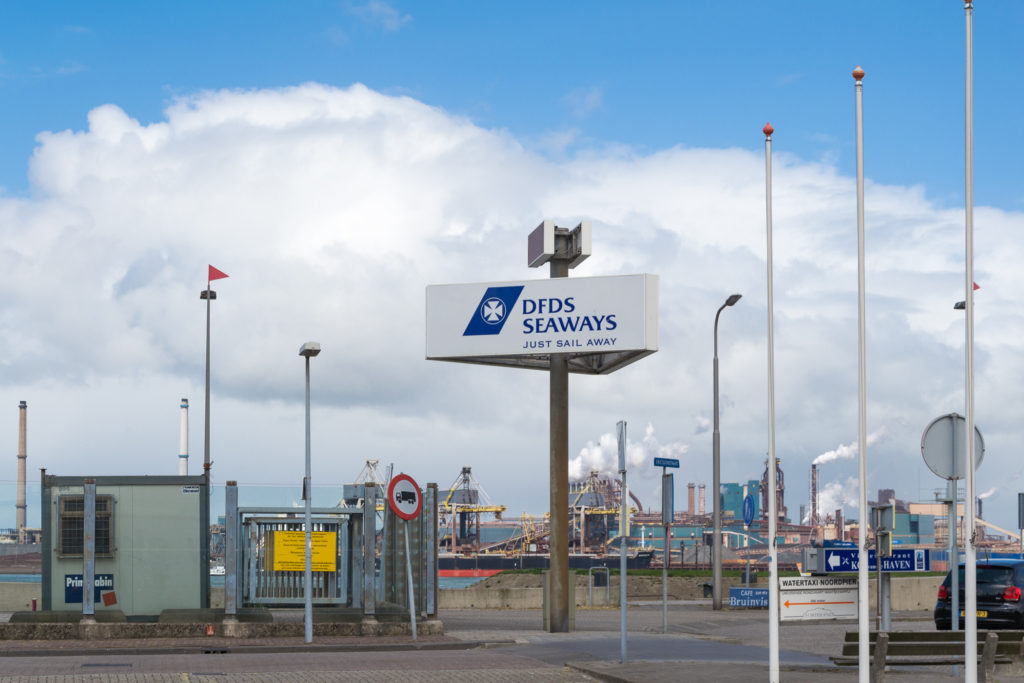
(733, 299)
(310, 349)
(960, 306)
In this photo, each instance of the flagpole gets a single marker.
(206, 426)
(970, 533)
(773, 563)
(864, 637)
(204, 552)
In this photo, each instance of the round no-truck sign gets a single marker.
(404, 497)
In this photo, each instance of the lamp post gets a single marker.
(308, 350)
(716, 537)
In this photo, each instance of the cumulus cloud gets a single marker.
(333, 208)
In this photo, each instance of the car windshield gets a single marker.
(986, 574)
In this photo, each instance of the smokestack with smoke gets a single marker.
(814, 495)
(850, 450)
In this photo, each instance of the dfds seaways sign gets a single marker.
(579, 316)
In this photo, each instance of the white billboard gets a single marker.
(602, 323)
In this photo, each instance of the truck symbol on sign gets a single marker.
(405, 497)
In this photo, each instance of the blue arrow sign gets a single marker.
(748, 509)
(902, 560)
(666, 462)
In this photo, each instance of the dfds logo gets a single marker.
(492, 311)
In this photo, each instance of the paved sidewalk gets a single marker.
(480, 646)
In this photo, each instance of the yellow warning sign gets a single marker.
(289, 551)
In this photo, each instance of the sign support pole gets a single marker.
(408, 573)
(558, 538)
(623, 525)
(405, 500)
(664, 565)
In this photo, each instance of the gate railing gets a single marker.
(250, 574)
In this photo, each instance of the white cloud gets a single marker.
(381, 14)
(583, 101)
(332, 209)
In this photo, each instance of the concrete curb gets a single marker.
(222, 648)
(112, 631)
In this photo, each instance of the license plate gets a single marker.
(981, 614)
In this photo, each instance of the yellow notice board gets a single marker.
(290, 551)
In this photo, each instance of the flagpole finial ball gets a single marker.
(768, 130)
(858, 73)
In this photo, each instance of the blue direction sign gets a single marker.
(666, 462)
(748, 509)
(902, 560)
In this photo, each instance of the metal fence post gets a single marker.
(231, 549)
(89, 552)
(369, 548)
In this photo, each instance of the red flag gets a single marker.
(976, 286)
(216, 274)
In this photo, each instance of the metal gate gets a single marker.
(264, 585)
(355, 577)
(254, 576)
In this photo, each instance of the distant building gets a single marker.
(732, 499)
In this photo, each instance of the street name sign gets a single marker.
(666, 462)
(817, 597)
(903, 560)
(600, 323)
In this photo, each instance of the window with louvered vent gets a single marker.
(71, 525)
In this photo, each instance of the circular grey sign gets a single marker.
(944, 447)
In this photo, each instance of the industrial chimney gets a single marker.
(183, 445)
(700, 499)
(814, 495)
(22, 457)
(689, 499)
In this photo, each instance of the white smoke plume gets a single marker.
(834, 496)
(989, 493)
(850, 450)
(603, 456)
(703, 424)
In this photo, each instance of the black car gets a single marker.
(999, 586)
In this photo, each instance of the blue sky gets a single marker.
(335, 158)
(559, 76)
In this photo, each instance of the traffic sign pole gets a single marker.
(664, 565)
(408, 572)
(406, 501)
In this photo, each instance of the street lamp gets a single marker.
(716, 537)
(308, 350)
